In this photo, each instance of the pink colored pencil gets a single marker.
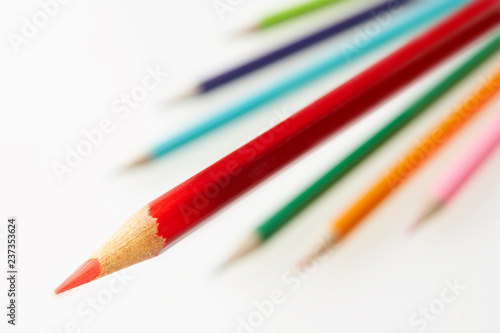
(461, 170)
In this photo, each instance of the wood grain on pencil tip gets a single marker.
(180, 210)
(136, 241)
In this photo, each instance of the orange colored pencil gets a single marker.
(402, 171)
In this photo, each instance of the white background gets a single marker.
(65, 79)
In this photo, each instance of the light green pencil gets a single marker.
(290, 14)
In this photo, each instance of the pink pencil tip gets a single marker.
(412, 228)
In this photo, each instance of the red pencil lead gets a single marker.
(136, 241)
(87, 272)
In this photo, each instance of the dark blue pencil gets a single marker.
(390, 7)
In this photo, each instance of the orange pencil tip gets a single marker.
(87, 272)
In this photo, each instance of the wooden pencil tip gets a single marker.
(221, 268)
(410, 230)
(87, 272)
(251, 243)
(431, 208)
(137, 162)
(323, 248)
(248, 29)
(183, 95)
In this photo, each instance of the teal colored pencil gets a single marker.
(410, 18)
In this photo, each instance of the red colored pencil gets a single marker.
(164, 220)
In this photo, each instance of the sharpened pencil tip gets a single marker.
(87, 272)
(183, 95)
(219, 269)
(248, 29)
(323, 248)
(143, 159)
(251, 243)
(431, 208)
(410, 230)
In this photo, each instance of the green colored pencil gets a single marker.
(270, 227)
(290, 14)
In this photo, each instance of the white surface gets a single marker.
(65, 79)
